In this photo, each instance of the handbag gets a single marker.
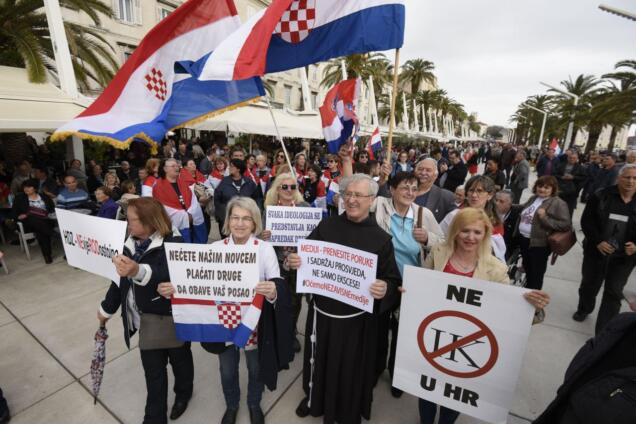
(157, 332)
(561, 242)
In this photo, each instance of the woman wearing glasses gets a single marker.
(413, 229)
(332, 175)
(269, 348)
(284, 192)
(480, 194)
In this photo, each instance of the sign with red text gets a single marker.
(290, 224)
(213, 272)
(91, 242)
(461, 342)
(339, 272)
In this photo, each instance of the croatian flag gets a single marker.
(150, 95)
(294, 33)
(181, 208)
(199, 320)
(338, 113)
(374, 145)
(554, 144)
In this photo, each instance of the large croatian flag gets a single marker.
(294, 33)
(147, 97)
(338, 113)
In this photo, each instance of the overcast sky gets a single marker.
(491, 54)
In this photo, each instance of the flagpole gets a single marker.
(393, 97)
(282, 143)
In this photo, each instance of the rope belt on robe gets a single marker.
(313, 343)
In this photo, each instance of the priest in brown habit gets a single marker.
(339, 365)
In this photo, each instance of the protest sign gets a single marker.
(226, 273)
(91, 242)
(337, 271)
(461, 342)
(289, 224)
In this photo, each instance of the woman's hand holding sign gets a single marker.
(125, 266)
(294, 261)
(165, 289)
(378, 289)
(267, 289)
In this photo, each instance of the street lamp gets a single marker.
(618, 12)
(568, 137)
(545, 117)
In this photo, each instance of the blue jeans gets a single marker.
(429, 409)
(228, 365)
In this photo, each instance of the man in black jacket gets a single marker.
(235, 184)
(609, 225)
(456, 174)
(509, 215)
(571, 176)
(599, 383)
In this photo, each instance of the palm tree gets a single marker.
(617, 105)
(415, 71)
(364, 65)
(25, 41)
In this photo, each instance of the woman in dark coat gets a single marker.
(144, 272)
(33, 211)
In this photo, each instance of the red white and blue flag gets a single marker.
(294, 33)
(152, 94)
(554, 144)
(338, 114)
(374, 144)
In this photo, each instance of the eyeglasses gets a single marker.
(348, 195)
(288, 187)
(478, 191)
(407, 189)
(243, 219)
(280, 156)
(331, 161)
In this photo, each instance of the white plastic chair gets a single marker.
(24, 238)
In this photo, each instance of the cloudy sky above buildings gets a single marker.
(491, 54)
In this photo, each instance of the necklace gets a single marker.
(462, 267)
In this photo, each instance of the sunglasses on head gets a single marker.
(288, 186)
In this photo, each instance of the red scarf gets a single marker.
(167, 196)
(186, 176)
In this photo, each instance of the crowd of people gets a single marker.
(427, 206)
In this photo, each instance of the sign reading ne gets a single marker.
(337, 271)
(461, 342)
(91, 242)
(225, 273)
(290, 224)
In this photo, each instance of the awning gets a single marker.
(256, 119)
(26, 106)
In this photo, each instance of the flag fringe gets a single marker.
(154, 146)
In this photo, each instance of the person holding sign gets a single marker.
(269, 348)
(413, 229)
(143, 270)
(284, 192)
(467, 252)
(339, 368)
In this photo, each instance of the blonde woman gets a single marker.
(284, 192)
(467, 252)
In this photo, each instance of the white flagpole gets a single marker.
(282, 143)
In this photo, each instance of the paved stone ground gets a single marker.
(48, 319)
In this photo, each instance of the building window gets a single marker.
(128, 11)
(314, 100)
(163, 13)
(288, 95)
(127, 51)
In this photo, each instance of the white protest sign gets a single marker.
(91, 242)
(461, 342)
(289, 224)
(225, 273)
(337, 271)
